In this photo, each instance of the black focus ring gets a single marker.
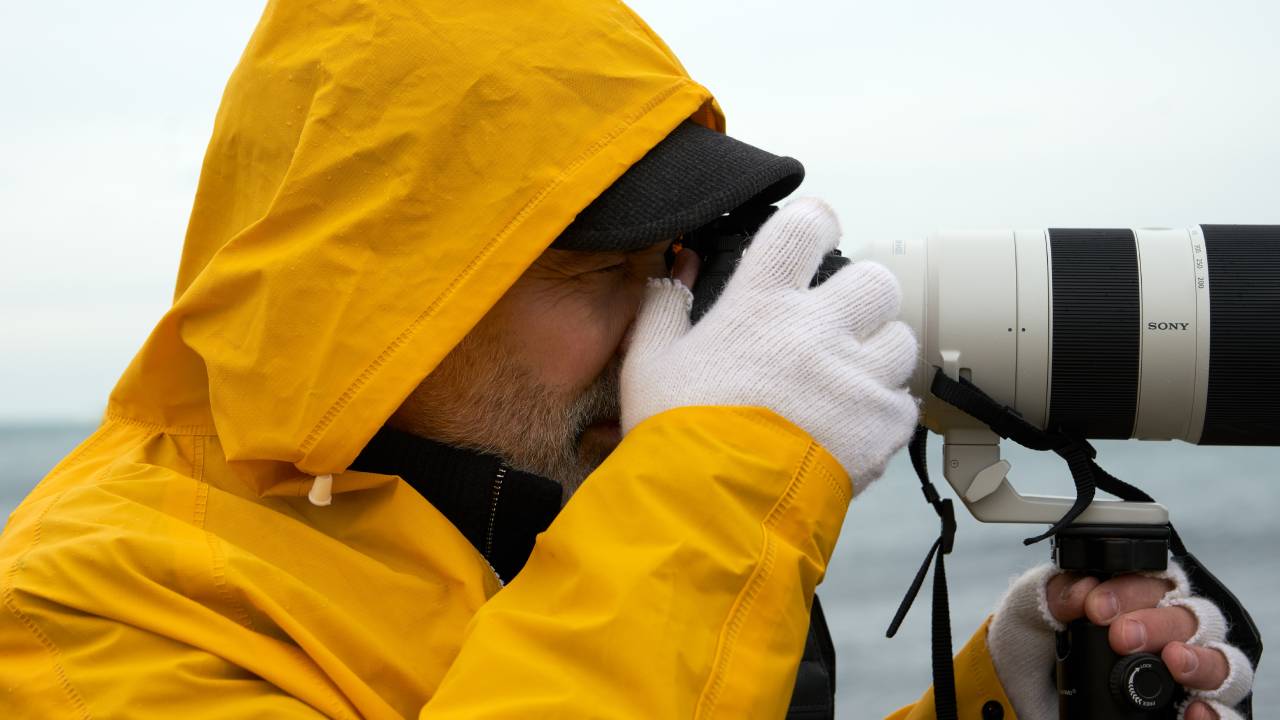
(1096, 326)
(1243, 402)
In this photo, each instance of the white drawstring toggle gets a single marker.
(321, 491)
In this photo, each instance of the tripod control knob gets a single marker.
(1142, 682)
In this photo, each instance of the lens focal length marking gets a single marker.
(1204, 328)
(1168, 328)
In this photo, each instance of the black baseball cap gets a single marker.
(692, 177)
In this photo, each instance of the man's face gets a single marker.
(536, 381)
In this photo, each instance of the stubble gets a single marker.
(482, 398)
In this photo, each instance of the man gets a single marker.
(413, 313)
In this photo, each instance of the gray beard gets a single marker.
(533, 429)
(480, 398)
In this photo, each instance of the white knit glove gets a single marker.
(830, 359)
(1021, 641)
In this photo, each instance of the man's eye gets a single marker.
(615, 268)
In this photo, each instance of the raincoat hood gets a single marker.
(379, 174)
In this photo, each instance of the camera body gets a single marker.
(720, 245)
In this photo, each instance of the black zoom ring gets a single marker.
(1096, 325)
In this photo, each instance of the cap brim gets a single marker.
(692, 177)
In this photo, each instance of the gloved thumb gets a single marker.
(663, 317)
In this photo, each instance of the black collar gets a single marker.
(498, 509)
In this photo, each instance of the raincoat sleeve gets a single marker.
(978, 688)
(676, 583)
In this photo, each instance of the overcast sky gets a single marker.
(909, 116)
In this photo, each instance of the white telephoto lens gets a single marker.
(1148, 333)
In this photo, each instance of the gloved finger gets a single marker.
(890, 355)
(892, 437)
(1210, 710)
(1065, 595)
(1021, 642)
(1211, 625)
(788, 248)
(663, 317)
(1122, 594)
(1197, 668)
(1239, 681)
(1176, 575)
(1151, 629)
(862, 296)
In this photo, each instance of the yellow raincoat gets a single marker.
(379, 174)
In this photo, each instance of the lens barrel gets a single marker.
(1151, 333)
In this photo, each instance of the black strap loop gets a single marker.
(1242, 631)
(1008, 424)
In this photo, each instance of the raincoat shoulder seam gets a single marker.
(93, 441)
(326, 420)
(197, 458)
(217, 559)
(115, 416)
(45, 641)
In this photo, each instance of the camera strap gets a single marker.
(1008, 424)
(944, 683)
(1088, 477)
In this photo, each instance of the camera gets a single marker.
(1147, 333)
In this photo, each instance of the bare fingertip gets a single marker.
(1103, 607)
(1188, 661)
(1060, 586)
(1133, 637)
(1200, 711)
(1058, 594)
(686, 266)
(1069, 602)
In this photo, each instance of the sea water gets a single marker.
(1224, 502)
